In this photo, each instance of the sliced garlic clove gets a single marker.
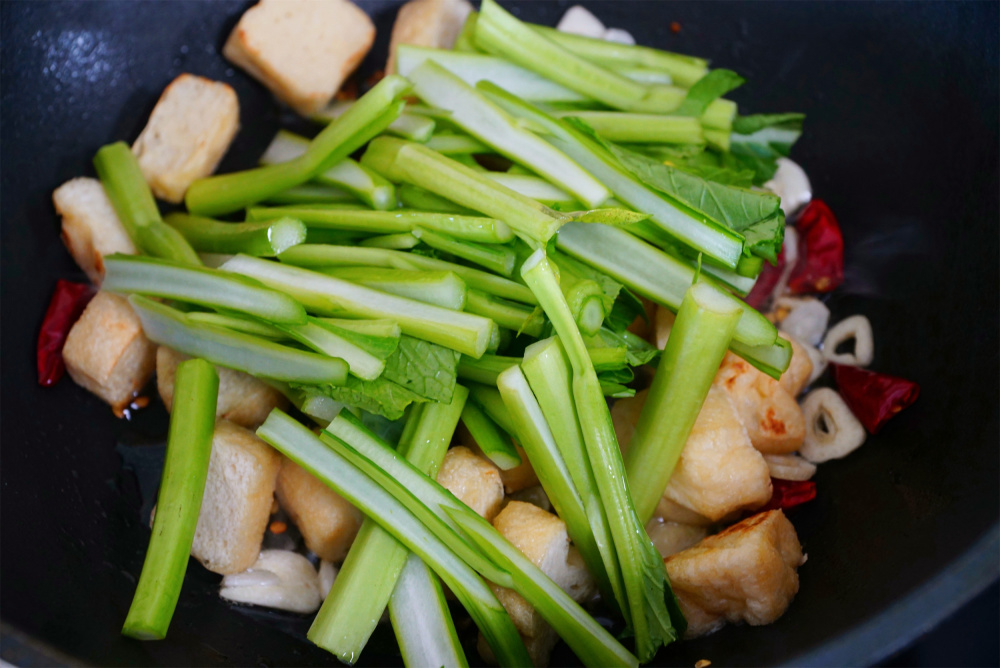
(806, 320)
(858, 328)
(832, 431)
(789, 467)
(278, 579)
(620, 36)
(327, 576)
(579, 21)
(791, 184)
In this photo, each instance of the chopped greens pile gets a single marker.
(480, 260)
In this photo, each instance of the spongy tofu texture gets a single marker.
(328, 523)
(770, 414)
(473, 479)
(719, 472)
(301, 49)
(106, 351)
(746, 573)
(434, 23)
(187, 134)
(542, 538)
(239, 491)
(243, 399)
(90, 227)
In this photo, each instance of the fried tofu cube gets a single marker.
(475, 480)
(747, 573)
(302, 50)
(327, 521)
(770, 414)
(190, 129)
(673, 537)
(243, 399)
(514, 480)
(719, 472)
(242, 472)
(799, 370)
(106, 351)
(433, 23)
(542, 538)
(90, 227)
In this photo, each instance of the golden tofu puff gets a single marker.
(107, 353)
(514, 480)
(328, 523)
(302, 50)
(768, 411)
(800, 369)
(190, 129)
(90, 227)
(662, 324)
(431, 23)
(747, 573)
(243, 399)
(542, 538)
(673, 537)
(474, 480)
(719, 472)
(239, 489)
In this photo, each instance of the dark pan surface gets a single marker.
(901, 141)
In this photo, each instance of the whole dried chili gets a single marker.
(789, 493)
(821, 251)
(873, 397)
(767, 281)
(67, 303)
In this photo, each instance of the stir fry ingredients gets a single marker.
(398, 364)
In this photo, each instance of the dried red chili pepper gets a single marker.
(767, 280)
(873, 397)
(790, 493)
(821, 251)
(67, 303)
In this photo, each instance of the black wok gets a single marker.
(901, 141)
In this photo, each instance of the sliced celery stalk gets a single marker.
(209, 287)
(310, 255)
(235, 350)
(265, 239)
(698, 341)
(366, 185)
(641, 128)
(185, 469)
(486, 369)
(471, 228)
(520, 319)
(475, 67)
(402, 241)
(376, 559)
(498, 259)
(303, 447)
(421, 620)
(441, 288)
(493, 126)
(494, 443)
(321, 338)
(326, 295)
(414, 127)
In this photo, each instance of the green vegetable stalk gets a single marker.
(185, 469)
(698, 341)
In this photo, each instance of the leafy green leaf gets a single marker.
(626, 309)
(758, 141)
(706, 90)
(380, 396)
(426, 369)
(749, 212)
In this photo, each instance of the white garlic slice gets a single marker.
(858, 328)
(819, 362)
(579, 21)
(807, 318)
(619, 35)
(832, 431)
(789, 467)
(791, 184)
(278, 579)
(327, 576)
